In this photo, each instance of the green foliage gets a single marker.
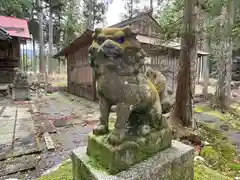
(69, 19)
(202, 172)
(94, 11)
(18, 8)
(210, 154)
(71, 22)
(129, 8)
(171, 20)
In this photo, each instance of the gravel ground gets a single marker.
(72, 133)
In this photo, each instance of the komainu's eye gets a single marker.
(100, 39)
(120, 39)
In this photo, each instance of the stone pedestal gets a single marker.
(21, 93)
(174, 163)
(133, 150)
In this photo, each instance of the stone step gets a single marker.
(19, 164)
(22, 137)
(7, 122)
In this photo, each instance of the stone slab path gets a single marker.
(65, 109)
(17, 139)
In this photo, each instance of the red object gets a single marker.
(197, 149)
(15, 27)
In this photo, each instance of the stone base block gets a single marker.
(21, 93)
(133, 150)
(174, 163)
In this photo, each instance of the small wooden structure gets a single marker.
(13, 32)
(162, 55)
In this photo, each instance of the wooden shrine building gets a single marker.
(161, 55)
(13, 32)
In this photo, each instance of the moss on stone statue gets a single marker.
(201, 172)
(132, 150)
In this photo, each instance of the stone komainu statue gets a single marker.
(117, 56)
(20, 78)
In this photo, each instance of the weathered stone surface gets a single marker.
(6, 138)
(18, 164)
(21, 93)
(175, 163)
(131, 151)
(117, 61)
(17, 133)
(7, 129)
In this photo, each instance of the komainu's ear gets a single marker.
(149, 71)
(98, 30)
(127, 30)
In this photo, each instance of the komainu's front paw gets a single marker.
(100, 129)
(116, 137)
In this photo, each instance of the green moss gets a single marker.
(208, 110)
(111, 123)
(64, 172)
(208, 132)
(232, 117)
(235, 166)
(202, 172)
(96, 163)
(221, 153)
(131, 151)
(210, 154)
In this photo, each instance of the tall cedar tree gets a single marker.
(183, 104)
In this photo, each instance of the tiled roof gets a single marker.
(14, 26)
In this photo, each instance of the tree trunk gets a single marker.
(34, 56)
(183, 104)
(50, 41)
(23, 62)
(90, 20)
(131, 15)
(194, 59)
(41, 45)
(229, 48)
(204, 46)
(151, 5)
(223, 91)
(206, 65)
